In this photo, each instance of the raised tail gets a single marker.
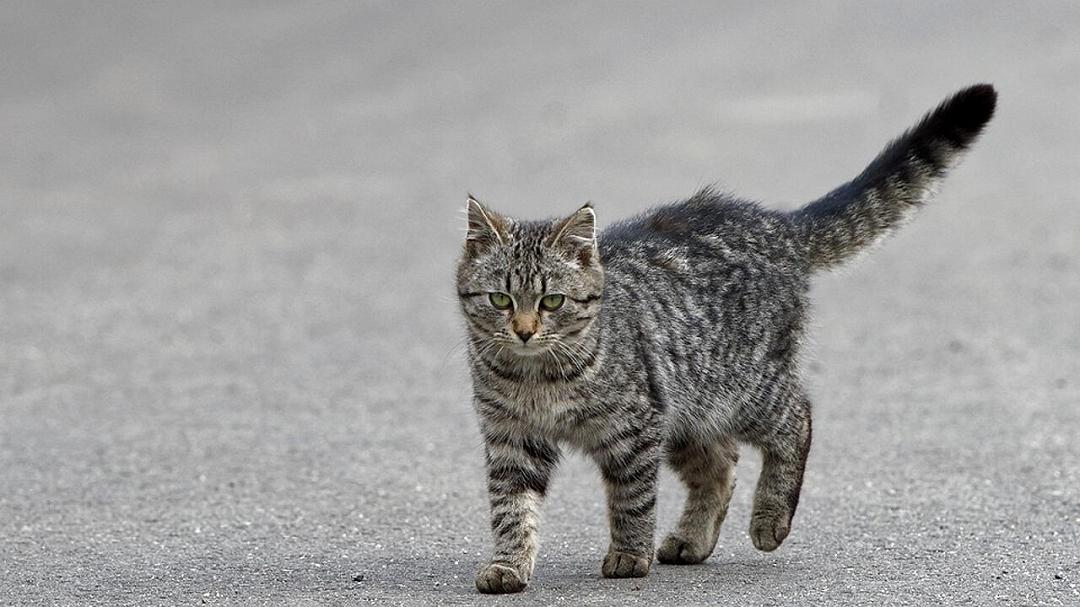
(902, 177)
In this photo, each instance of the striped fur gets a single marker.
(677, 337)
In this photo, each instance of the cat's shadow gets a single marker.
(753, 571)
(416, 576)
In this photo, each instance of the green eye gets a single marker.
(501, 301)
(552, 302)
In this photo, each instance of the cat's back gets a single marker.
(709, 232)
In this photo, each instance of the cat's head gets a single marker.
(529, 287)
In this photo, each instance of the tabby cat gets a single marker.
(672, 336)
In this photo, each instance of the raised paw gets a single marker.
(678, 551)
(497, 578)
(768, 532)
(625, 564)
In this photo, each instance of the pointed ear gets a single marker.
(576, 234)
(486, 228)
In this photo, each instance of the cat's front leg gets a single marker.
(518, 468)
(629, 462)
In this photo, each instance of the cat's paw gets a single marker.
(497, 578)
(769, 531)
(679, 551)
(625, 564)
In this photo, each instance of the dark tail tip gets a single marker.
(960, 118)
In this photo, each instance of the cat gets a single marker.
(670, 336)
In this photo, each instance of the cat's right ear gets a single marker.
(486, 228)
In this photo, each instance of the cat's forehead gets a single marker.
(532, 260)
(529, 237)
(526, 245)
(526, 264)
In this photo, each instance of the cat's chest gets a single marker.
(554, 410)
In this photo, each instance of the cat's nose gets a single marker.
(525, 335)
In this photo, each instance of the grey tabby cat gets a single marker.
(670, 336)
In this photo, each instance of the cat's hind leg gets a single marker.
(785, 445)
(708, 471)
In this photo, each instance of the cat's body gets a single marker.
(669, 337)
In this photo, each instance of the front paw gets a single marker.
(497, 578)
(626, 564)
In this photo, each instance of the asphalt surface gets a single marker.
(231, 367)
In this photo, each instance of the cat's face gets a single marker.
(528, 288)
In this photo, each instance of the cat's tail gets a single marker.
(904, 175)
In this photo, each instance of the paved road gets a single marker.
(231, 371)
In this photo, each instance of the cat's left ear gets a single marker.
(576, 235)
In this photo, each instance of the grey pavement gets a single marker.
(231, 362)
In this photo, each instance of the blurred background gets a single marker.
(230, 351)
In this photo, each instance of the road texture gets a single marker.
(231, 362)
